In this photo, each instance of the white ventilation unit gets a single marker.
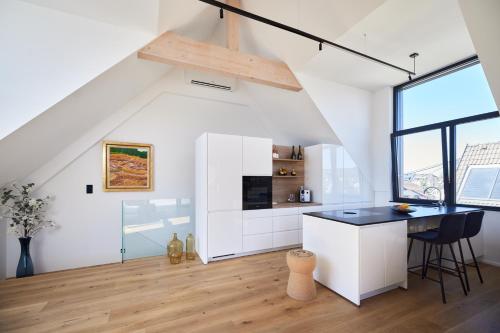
(209, 80)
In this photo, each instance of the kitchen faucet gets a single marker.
(440, 201)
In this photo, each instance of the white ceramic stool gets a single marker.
(301, 283)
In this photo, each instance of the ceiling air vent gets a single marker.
(209, 80)
(211, 85)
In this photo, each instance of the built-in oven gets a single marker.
(257, 192)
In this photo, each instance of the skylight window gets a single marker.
(481, 183)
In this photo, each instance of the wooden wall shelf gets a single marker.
(283, 186)
(286, 160)
(278, 176)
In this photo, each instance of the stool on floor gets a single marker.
(450, 230)
(301, 283)
(473, 224)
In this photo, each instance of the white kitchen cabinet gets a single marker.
(224, 172)
(372, 258)
(324, 173)
(258, 225)
(222, 228)
(357, 262)
(285, 238)
(283, 223)
(285, 211)
(333, 176)
(224, 233)
(257, 156)
(257, 242)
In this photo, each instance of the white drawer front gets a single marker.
(285, 238)
(259, 225)
(282, 223)
(309, 209)
(285, 211)
(300, 236)
(257, 242)
(251, 214)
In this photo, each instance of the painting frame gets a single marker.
(107, 172)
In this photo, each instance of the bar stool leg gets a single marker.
(457, 268)
(439, 256)
(475, 261)
(428, 259)
(464, 266)
(423, 260)
(409, 250)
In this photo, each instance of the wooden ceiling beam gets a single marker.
(233, 27)
(170, 48)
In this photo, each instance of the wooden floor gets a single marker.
(239, 295)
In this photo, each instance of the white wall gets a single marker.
(348, 112)
(491, 238)
(381, 127)
(481, 18)
(3, 249)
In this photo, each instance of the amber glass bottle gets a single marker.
(190, 254)
(175, 249)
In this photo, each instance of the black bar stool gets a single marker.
(450, 231)
(472, 227)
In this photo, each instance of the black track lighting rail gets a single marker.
(321, 41)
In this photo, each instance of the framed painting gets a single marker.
(127, 166)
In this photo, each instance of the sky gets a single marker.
(456, 95)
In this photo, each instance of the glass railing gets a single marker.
(148, 225)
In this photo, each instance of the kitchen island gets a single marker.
(362, 252)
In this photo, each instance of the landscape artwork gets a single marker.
(127, 166)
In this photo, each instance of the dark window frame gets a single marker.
(448, 133)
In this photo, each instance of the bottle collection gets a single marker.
(298, 155)
(175, 249)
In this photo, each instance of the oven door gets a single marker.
(257, 192)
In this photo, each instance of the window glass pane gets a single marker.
(495, 194)
(420, 166)
(479, 183)
(456, 95)
(478, 163)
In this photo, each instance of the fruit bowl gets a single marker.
(405, 209)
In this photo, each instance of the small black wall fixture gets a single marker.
(296, 31)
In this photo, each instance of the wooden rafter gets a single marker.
(170, 48)
(233, 27)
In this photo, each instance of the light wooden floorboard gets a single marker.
(239, 295)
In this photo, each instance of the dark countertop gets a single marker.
(375, 215)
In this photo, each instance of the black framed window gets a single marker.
(446, 138)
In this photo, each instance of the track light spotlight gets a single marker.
(221, 13)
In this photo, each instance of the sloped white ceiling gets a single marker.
(482, 18)
(397, 28)
(326, 18)
(50, 55)
(132, 14)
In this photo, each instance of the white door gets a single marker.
(257, 156)
(225, 234)
(224, 172)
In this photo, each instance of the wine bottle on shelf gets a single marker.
(299, 154)
(275, 152)
(294, 156)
